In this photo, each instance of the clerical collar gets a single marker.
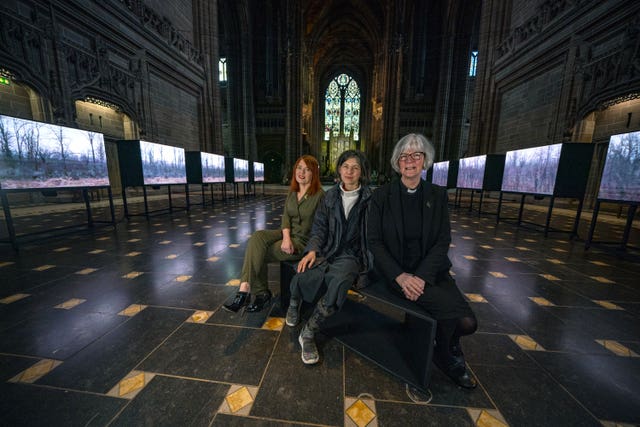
(410, 190)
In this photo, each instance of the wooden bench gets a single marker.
(382, 327)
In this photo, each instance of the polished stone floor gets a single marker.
(123, 326)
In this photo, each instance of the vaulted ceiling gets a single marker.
(343, 34)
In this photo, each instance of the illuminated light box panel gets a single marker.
(149, 163)
(204, 168)
(445, 173)
(40, 155)
(237, 170)
(559, 170)
(620, 180)
(256, 172)
(481, 172)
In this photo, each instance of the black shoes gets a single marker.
(261, 300)
(240, 301)
(456, 352)
(456, 369)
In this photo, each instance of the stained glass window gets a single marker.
(473, 65)
(342, 108)
(222, 70)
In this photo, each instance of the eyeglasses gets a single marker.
(418, 155)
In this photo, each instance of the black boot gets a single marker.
(259, 302)
(240, 301)
(456, 352)
(456, 370)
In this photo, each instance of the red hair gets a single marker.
(312, 164)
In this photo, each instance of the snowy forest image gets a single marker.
(440, 173)
(212, 167)
(621, 174)
(41, 155)
(258, 171)
(471, 172)
(162, 164)
(532, 170)
(240, 170)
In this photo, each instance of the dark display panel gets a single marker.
(559, 170)
(471, 172)
(36, 155)
(149, 163)
(481, 172)
(204, 168)
(236, 170)
(493, 172)
(532, 170)
(445, 173)
(621, 175)
(573, 170)
(258, 172)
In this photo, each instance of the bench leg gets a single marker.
(418, 343)
(287, 271)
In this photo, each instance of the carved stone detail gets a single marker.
(546, 14)
(607, 79)
(163, 27)
(92, 73)
(24, 44)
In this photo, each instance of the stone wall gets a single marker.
(527, 112)
(15, 100)
(175, 113)
(66, 52)
(554, 69)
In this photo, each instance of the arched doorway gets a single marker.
(273, 172)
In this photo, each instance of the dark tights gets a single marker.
(448, 333)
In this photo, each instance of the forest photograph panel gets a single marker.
(532, 170)
(162, 164)
(240, 170)
(258, 171)
(212, 167)
(471, 172)
(621, 175)
(36, 155)
(440, 173)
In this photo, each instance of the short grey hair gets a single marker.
(415, 142)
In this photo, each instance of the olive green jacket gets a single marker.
(298, 217)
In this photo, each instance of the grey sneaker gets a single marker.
(293, 315)
(310, 354)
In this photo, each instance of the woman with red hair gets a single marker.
(285, 244)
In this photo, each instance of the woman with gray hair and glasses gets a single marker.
(409, 234)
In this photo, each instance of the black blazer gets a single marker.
(385, 234)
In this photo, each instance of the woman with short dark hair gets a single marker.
(336, 254)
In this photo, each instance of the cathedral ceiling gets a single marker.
(343, 34)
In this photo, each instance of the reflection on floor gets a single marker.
(123, 326)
